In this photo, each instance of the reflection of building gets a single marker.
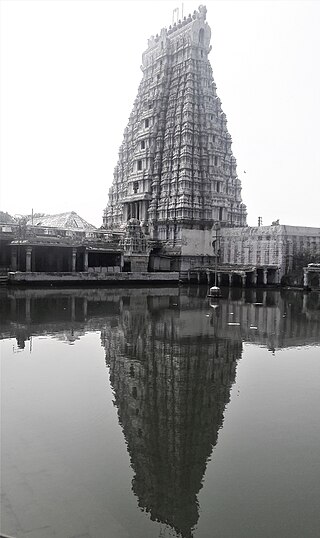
(171, 388)
(172, 363)
(283, 319)
(172, 367)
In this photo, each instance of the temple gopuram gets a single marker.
(176, 169)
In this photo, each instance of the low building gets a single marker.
(57, 243)
(277, 253)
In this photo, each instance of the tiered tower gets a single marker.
(176, 169)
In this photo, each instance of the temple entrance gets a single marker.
(133, 211)
(127, 267)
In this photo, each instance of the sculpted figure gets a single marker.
(202, 12)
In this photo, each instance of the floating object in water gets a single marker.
(253, 327)
(214, 292)
(233, 323)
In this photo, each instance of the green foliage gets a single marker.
(299, 261)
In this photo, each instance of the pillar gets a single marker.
(73, 308)
(254, 278)
(74, 260)
(265, 277)
(229, 279)
(243, 280)
(198, 276)
(28, 309)
(85, 261)
(13, 258)
(144, 211)
(13, 307)
(28, 259)
(219, 279)
(304, 303)
(305, 277)
(85, 307)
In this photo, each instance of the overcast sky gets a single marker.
(70, 72)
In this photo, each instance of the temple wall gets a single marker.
(280, 246)
(197, 242)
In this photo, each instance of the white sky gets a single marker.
(70, 71)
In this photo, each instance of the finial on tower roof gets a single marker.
(202, 12)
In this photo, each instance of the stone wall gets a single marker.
(197, 242)
(288, 248)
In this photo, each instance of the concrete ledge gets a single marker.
(91, 277)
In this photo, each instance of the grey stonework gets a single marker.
(176, 169)
(283, 249)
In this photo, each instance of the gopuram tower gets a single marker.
(176, 169)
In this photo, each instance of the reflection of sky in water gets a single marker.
(207, 441)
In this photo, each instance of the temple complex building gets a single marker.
(176, 181)
(176, 169)
(175, 211)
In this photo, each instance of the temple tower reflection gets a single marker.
(171, 378)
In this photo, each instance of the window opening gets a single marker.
(135, 186)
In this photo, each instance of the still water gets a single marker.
(150, 413)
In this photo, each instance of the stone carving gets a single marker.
(134, 240)
(176, 169)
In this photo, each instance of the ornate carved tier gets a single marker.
(176, 169)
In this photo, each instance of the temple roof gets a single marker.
(5, 218)
(68, 221)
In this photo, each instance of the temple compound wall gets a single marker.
(287, 249)
(263, 255)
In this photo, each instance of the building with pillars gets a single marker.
(176, 169)
(57, 243)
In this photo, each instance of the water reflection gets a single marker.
(172, 362)
(171, 378)
(269, 318)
